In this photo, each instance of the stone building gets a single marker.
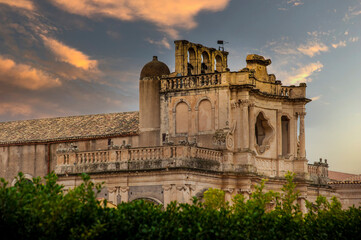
(199, 127)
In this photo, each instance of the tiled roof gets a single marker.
(69, 128)
(343, 178)
(339, 176)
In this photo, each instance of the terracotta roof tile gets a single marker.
(68, 128)
(339, 176)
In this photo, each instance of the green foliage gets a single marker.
(214, 198)
(42, 210)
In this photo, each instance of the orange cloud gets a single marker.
(25, 76)
(303, 74)
(312, 48)
(25, 4)
(69, 55)
(167, 15)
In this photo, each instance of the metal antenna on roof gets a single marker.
(221, 43)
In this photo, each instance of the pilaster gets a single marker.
(252, 123)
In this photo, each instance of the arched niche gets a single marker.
(263, 133)
(192, 61)
(205, 116)
(181, 117)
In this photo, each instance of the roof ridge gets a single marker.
(72, 116)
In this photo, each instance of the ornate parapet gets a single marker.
(243, 78)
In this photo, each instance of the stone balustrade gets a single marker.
(293, 91)
(181, 83)
(182, 155)
(190, 82)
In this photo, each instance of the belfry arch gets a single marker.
(192, 61)
(218, 63)
(195, 59)
(205, 65)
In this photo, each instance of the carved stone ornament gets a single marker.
(219, 137)
(168, 187)
(230, 137)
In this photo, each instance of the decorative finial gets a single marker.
(155, 58)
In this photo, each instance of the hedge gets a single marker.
(41, 210)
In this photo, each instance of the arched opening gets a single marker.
(205, 62)
(204, 116)
(218, 63)
(181, 118)
(263, 132)
(26, 178)
(192, 61)
(285, 123)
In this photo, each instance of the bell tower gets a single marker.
(149, 102)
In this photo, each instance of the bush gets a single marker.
(41, 210)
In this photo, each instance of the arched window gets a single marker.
(205, 62)
(181, 118)
(218, 63)
(204, 116)
(192, 61)
(285, 123)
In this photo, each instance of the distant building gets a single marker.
(199, 127)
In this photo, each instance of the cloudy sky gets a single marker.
(61, 57)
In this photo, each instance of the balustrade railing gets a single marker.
(191, 82)
(92, 157)
(138, 154)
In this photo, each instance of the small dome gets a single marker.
(154, 68)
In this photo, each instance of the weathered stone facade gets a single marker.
(199, 127)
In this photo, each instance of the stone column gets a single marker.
(252, 123)
(302, 135)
